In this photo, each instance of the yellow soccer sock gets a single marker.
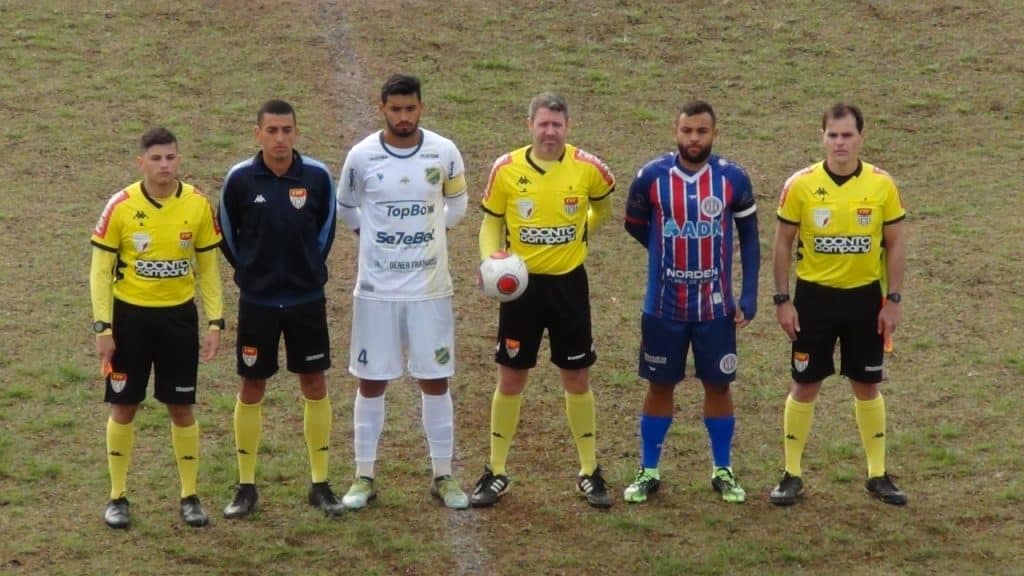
(186, 451)
(582, 414)
(317, 427)
(797, 426)
(504, 421)
(871, 423)
(248, 432)
(120, 441)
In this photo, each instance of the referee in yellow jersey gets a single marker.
(843, 211)
(154, 244)
(542, 202)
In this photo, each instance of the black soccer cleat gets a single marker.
(786, 493)
(244, 502)
(192, 512)
(881, 487)
(321, 496)
(489, 489)
(116, 514)
(593, 487)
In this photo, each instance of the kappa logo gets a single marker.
(298, 197)
(511, 347)
(184, 240)
(118, 381)
(801, 360)
(523, 181)
(433, 176)
(259, 199)
(442, 355)
(140, 217)
(821, 193)
(249, 355)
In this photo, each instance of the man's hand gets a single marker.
(210, 345)
(105, 348)
(789, 320)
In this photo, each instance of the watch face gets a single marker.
(99, 326)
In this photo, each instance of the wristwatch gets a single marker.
(779, 299)
(218, 324)
(894, 297)
(100, 326)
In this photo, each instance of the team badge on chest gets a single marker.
(298, 197)
(525, 208)
(141, 241)
(184, 240)
(571, 204)
(433, 175)
(863, 216)
(822, 217)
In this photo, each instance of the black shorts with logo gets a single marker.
(561, 304)
(164, 341)
(829, 314)
(307, 342)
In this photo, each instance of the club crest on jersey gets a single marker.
(728, 364)
(511, 347)
(525, 208)
(822, 217)
(298, 197)
(863, 216)
(442, 355)
(433, 175)
(801, 360)
(571, 204)
(184, 240)
(711, 206)
(141, 241)
(249, 355)
(118, 380)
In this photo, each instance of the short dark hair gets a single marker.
(551, 100)
(694, 107)
(155, 137)
(401, 84)
(277, 108)
(841, 110)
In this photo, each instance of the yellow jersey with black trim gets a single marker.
(840, 226)
(545, 210)
(156, 242)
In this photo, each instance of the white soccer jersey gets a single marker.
(400, 194)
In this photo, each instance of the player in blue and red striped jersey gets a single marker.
(682, 207)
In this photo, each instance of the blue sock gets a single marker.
(653, 430)
(720, 431)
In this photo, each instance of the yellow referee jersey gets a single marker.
(840, 227)
(156, 243)
(545, 210)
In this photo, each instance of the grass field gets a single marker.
(941, 83)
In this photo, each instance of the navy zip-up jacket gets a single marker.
(278, 230)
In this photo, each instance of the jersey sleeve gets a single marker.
(744, 204)
(789, 201)
(495, 195)
(227, 219)
(209, 234)
(638, 206)
(892, 210)
(602, 181)
(455, 173)
(107, 233)
(350, 190)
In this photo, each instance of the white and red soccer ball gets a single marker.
(503, 276)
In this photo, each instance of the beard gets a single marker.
(404, 131)
(697, 158)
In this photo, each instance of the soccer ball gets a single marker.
(503, 276)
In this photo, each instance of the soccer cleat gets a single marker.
(321, 496)
(786, 492)
(448, 491)
(881, 487)
(244, 502)
(116, 514)
(489, 489)
(359, 494)
(192, 512)
(643, 486)
(594, 489)
(726, 484)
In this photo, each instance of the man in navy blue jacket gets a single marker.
(277, 216)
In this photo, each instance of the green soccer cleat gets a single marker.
(643, 485)
(446, 489)
(726, 484)
(359, 494)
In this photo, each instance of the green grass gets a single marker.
(941, 86)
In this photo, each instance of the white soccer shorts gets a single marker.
(383, 333)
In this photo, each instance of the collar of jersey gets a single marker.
(391, 151)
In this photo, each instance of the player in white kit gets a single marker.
(400, 189)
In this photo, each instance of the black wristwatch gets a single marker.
(100, 326)
(779, 299)
(218, 324)
(894, 297)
